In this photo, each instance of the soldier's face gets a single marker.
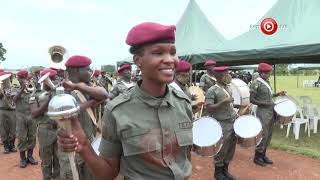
(210, 69)
(265, 75)
(126, 73)
(157, 62)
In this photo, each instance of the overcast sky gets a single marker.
(98, 28)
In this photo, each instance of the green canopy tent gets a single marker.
(195, 34)
(296, 40)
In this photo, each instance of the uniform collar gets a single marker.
(165, 101)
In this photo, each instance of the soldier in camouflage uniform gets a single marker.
(124, 82)
(208, 80)
(261, 95)
(104, 80)
(47, 130)
(219, 103)
(149, 127)
(7, 116)
(79, 74)
(26, 127)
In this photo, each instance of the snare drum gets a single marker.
(240, 92)
(248, 129)
(207, 136)
(285, 109)
(95, 145)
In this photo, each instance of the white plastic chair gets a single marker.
(297, 121)
(313, 116)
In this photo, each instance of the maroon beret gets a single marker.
(97, 72)
(78, 61)
(55, 69)
(183, 66)
(22, 74)
(124, 67)
(52, 72)
(1, 70)
(221, 68)
(210, 62)
(264, 67)
(149, 32)
(4, 73)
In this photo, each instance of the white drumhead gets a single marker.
(285, 107)
(95, 145)
(247, 126)
(206, 132)
(240, 92)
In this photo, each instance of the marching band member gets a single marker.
(79, 75)
(147, 128)
(105, 80)
(208, 80)
(26, 127)
(261, 95)
(219, 103)
(7, 116)
(124, 82)
(47, 129)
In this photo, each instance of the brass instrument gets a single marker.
(5, 90)
(47, 81)
(29, 86)
(56, 53)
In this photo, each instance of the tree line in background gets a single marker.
(283, 70)
(2, 52)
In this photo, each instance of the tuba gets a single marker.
(56, 53)
(5, 90)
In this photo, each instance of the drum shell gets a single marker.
(240, 92)
(208, 151)
(284, 120)
(249, 142)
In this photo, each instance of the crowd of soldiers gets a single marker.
(146, 128)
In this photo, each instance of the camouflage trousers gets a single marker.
(7, 125)
(226, 153)
(48, 152)
(26, 131)
(65, 168)
(267, 119)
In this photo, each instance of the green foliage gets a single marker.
(2, 52)
(282, 69)
(108, 68)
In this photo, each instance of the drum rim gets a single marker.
(220, 127)
(288, 99)
(254, 117)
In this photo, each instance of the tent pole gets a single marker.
(298, 79)
(274, 78)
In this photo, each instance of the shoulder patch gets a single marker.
(122, 98)
(180, 94)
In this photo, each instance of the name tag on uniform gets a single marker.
(185, 125)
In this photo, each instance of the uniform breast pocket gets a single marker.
(184, 136)
(138, 141)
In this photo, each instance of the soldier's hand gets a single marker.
(228, 100)
(282, 93)
(76, 141)
(69, 86)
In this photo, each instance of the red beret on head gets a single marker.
(124, 67)
(52, 72)
(55, 69)
(149, 32)
(210, 62)
(97, 72)
(221, 68)
(1, 70)
(4, 73)
(78, 61)
(22, 74)
(183, 66)
(264, 67)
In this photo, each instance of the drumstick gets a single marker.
(201, 111)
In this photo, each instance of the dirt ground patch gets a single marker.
(288, 166)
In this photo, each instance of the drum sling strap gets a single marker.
(226, 92)
(89, 110)
(265, 83)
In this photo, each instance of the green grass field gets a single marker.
(309, 146)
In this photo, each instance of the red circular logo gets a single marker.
(268, 26)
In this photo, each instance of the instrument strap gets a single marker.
(89, 109)
(265, 83)
(226, 92)
(128, 85)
